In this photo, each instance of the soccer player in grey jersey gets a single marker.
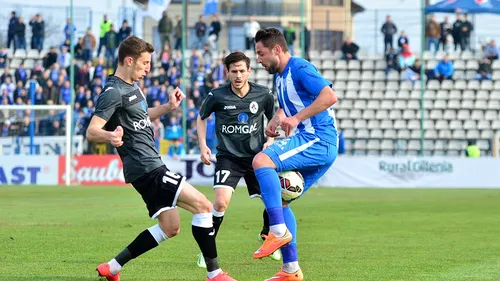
(123, 119)
(240, 107)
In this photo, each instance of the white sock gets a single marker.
(278, 229)
(217, 214)
(214, 273)
(291, 267)
(114, 267)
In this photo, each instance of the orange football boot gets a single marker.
(272, 244)
(223, 276)
(283, 276)
(104, 271)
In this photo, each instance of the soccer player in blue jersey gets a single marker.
(306, 116)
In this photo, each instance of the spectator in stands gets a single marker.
(192, 139)
(456, 32)
(402, 40)
(38, 32)
(491, 50)
(112, 40)
(413, 72)
(176, 149)
(173, 130)
(21, 74)
(195, 62)
(200, 29)
(207, 57)
(66, 92)
(105, 26)
(472, 150)
(444, 69)
(392, 60)
(178, 33)
(89, 43)
(432, 34)
(6, 73)
(40, 98)
(213, 31)
(484, 71)
(3, 57)
(63, 58)
(406, 58)
(124, 31)
(165, 56)
(11, 31)
(158, 132)
(165, 28)
(20, 34)
(290, 37)
(446, 30)
(9, 86)
(466, 31)
(388, 30)
(349, 50)
(218, 73)
(50, 58)
(67, 29)
(250, 28)
(51, 91)
(307, 42)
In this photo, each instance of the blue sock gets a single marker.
(271, 194)
(289, 251)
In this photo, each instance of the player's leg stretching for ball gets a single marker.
(168, 227)
(312, 158)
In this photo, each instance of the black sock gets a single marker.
(265, 227)
(205, 237)
(141, 244)
(217, 222)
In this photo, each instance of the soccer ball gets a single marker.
(292, 185)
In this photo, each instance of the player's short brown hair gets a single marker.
(133, 46)
(235, 57)
(271, 37)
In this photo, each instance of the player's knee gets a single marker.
(262, 160)
(171, 229)
(203, 205)
(220, 205)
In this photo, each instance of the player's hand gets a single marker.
(116, 137)
(175, 97)
(288, 124)
(272, 128)
(206, 155)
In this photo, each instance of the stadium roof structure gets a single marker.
(465, 6)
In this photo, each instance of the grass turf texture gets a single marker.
(59, 233)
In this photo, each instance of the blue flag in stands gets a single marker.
(210, 7)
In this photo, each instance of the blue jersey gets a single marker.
(298, 87)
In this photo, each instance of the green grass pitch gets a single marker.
(60, 233)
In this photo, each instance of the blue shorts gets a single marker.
(305, 153)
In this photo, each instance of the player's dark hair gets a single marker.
(235, 57)
(133, 46)
(271, 37)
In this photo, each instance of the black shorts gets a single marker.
(159, 189)
(229, 171)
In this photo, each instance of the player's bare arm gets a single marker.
(325, 100)
(272, 126)
(205, 152)
(96, 133)
(175, 98)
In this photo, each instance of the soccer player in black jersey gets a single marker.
(240, 107)
(123, 119)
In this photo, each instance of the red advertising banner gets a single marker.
(93, 170)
